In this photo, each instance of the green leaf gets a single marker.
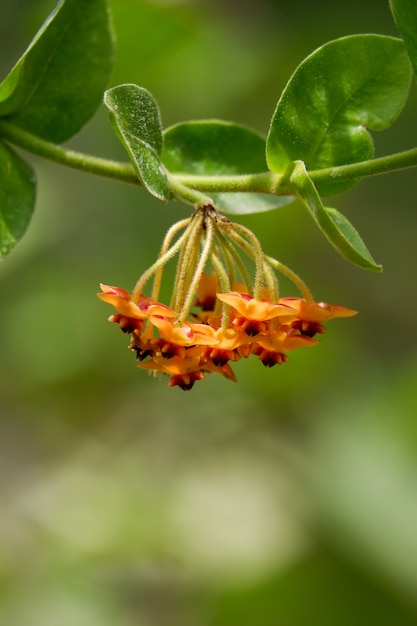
(343, 88)
(135, 117)
(246, 203)
(58, 83)
(17, 198)
(405, 15)
(213, 147)
(335, 226)
(218, 148)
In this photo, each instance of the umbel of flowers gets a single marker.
(218, 312)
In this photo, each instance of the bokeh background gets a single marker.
(287, 499)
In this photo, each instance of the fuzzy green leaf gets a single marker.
(405, 15)
(218, 148)
(135, 117)
(343, 88)
(335, 226)
(58, 83)
(17, 198)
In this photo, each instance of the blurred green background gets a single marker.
(287, 499)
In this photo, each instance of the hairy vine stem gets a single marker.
(192, 187)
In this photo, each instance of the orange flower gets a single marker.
(206, 292)
(184, 371)
(229, 339)
(309, 316)
(188, 351)
(223, 370)
(250, 308)
(188, 334)
(253, 313)
(131, 314)
(272, 348)
(175, 365)
(185, 381)
(173, 341)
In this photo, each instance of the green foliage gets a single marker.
(405, 15)
(213, 147)
(52, 91)
(58, 83)
(320, 124)
(17, 198)
(218, 148)
(339, 91)
(335, 226)
(136, 119)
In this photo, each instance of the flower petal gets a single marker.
(252, 309)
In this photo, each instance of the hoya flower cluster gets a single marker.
(218, 314)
